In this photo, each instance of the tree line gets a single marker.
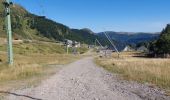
(162, 45)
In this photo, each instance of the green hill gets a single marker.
(29, 26)
(26, 25)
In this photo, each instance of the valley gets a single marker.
(61, 50)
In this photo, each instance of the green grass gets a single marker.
(82, 50)
(41, 48)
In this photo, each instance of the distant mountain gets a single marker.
(130, 37)
(26, 25)
(87, 30)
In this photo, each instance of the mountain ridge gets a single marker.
(26, 25)
(130, 37)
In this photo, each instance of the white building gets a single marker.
(128, 49)
(71, 43)
(142, 49)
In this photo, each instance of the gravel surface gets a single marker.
(83, 80)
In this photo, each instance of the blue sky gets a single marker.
(102, 15)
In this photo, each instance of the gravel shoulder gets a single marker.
(84, 80)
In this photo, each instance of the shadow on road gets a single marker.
(19, 95)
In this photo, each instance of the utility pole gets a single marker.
(67, 46)
(67, 49)
(7, 5)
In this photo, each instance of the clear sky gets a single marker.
(102, 15)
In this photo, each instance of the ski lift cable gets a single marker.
(99, 43)
(111, 42)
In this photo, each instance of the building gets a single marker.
(68, 42)
(71, 43)
(77, 44)
(128, 49)
(142, 49)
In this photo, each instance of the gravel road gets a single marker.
(83, 80)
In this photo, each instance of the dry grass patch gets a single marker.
(150, 70)
(30, 70)
(31, 63)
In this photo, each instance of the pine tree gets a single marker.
(162, 45)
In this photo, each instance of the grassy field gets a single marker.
(32, 62)
(145, 70)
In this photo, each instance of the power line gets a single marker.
(99, 43)
(111, 42)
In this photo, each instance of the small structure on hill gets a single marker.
(142, 49)
(76, 44)
(105, 51)
(128, 49)
(71, 43)
(91, 46)
(68, 43)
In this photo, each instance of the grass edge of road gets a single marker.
(131, 69)
(33, 63)
(26, 81)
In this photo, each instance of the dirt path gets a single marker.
(83, 80)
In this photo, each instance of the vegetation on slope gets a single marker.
(83, 36)
(29, 26)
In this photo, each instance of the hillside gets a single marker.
(19, 22)
(29, 26)
(26, 25)
(84, 36)
(131, 38)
